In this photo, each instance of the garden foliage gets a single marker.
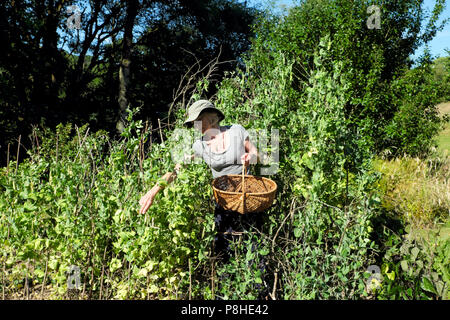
(74, 201)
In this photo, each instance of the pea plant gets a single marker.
(75, 203)
(317, 236)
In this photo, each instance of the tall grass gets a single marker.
(418, 190)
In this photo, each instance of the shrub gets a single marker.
(381, 92)
(318, 234)
(79, 206)
(413, 242)
(416, 267)
(416, 123)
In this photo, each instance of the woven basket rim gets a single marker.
(247, 193)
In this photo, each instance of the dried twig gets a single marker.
(160, 131)
(188, 81)
(81, 143)
(57, 142)
(213, 273)
(103, 271)
(282, 224)
(37, 141)
(7, 161)
(26, 289)
(142, 146)
(18, 151)
(190, 280)
(45, 278)
(272, 295)
(3, 281)
(233, 233)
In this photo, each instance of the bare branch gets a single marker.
(187, 85)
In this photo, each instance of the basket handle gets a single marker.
(243, 187)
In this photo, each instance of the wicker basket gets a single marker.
(244, 193)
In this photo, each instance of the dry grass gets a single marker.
(46, 293)
(417, 189)
(444, 136)
(444, 108)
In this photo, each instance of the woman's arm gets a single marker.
(251, 153)
(147, 200)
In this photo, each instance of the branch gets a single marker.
(191, 77)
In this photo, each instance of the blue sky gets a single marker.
(437, 45)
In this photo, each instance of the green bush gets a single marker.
(80, 207)
(416, 123)
(75, 201)
(415, 269)
(318, 234)
(388, 104)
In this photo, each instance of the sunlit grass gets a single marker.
(418, 190)
(444, 137)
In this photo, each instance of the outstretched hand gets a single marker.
(147, 200)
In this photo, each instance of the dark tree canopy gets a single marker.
(51, 73)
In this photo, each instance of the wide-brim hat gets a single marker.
(199, 107)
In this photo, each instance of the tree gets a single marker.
(124, 71)
(124, 53)
(373, 58)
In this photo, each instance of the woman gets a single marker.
(225, 149)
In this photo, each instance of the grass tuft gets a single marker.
(419, 190)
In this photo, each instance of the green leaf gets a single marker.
(414, 253)
(297, 232)
(39, 273)
(404, 265)
(28, 206)
(427, 285)
(391, 275)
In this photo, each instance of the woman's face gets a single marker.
(205, 121)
